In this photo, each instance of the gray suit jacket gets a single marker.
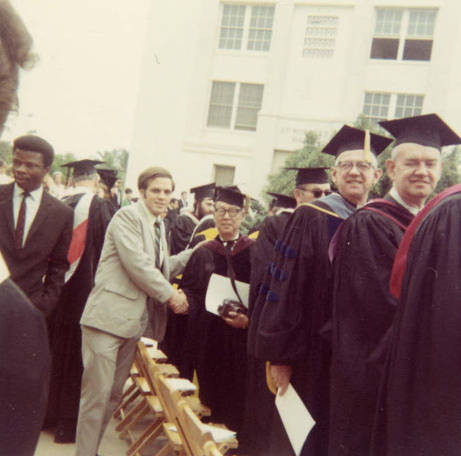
(127, 279)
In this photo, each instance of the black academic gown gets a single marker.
(24, 372)
(181, 232)
(422, 405)
(65, 329)
(175, 335)
(264, 432)
(298, 306)
(217, 350)
(363, 309)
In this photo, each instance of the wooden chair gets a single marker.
(183, 422)
(142, 391)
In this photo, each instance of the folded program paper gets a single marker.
(296, 419)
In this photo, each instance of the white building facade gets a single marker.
(229, 88)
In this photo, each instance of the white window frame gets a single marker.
(235, 106)
(403, 33)
(392, 106)
(246, 27)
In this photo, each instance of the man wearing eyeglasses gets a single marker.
(311, 184)
(298, 294)
(363, 308)
(216, 344)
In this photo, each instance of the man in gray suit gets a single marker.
(131, 289)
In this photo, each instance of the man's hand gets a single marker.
(178, 302)
(281, 375)
(237, 320)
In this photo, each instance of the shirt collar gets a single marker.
(411, 209)
(35, 195)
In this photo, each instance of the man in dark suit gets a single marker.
(24, 357)
(35, 227)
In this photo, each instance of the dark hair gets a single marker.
(16, 44)
(152, 173)
(174, 200)
(32, 143)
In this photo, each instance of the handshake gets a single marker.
(178, 302)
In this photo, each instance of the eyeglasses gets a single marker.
(316, 193)
(232, 211)
(348, 165)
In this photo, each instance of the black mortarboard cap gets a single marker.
(427, 130)
(107, 175)
(226, 195)
(83, 166)
(350, 138)
(203, 191)
(310, 176)
(283, 200)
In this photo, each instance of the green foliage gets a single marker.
(5, 151)
(254, 217)
(117, 159)
(450, 171)
(308, 156)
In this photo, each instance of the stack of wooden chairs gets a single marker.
(158, 405)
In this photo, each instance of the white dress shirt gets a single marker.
(411, 209)
(32, 204)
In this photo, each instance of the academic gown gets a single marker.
(263, 429)
(24, 372)
(181, 232)
(363, 309)
(298, 306)
(65, 337)
(175, 335)
(217, 350)
(422, 406)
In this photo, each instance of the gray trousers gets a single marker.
(107, 360)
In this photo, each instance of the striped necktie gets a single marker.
(158, 243)
(20, 224)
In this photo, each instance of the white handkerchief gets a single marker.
(296, 419)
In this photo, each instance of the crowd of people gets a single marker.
(355, 303)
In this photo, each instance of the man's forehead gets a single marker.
(160, 182)
(28, 154)
(414, 150)
(226, 205)
(356, 154)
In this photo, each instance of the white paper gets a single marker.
(219, 434)
(149, 342)
(220, 288)
(296, 419)
(181, 384)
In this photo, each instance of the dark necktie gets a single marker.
(158, 244)
(19, 230)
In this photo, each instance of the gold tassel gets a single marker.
(366, 147)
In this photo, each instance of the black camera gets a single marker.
(229, 305)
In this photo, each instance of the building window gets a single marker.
(403, 34)
(246, 27)
(320, 36)
(376, 105)
(381, 106)
(408, 105)
(235, 105)
(224, 175)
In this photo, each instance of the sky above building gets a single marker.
(81, 94)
